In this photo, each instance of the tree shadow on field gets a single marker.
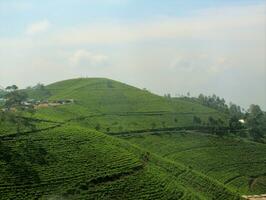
(20, 162)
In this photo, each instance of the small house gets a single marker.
(242, 121)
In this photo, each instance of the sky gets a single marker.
(171, 46)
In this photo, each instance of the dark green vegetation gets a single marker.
(74, 151)
(84, 164)
(239, 164)
(254, 117)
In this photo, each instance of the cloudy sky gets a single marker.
(170, 46)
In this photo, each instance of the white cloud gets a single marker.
(85, 58)
(38, 27)
(200, 64)
(237, 23)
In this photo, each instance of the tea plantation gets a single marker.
(239, 164)
(115, 141)
(111, 106)
(84, 164)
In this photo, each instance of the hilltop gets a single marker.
(112, 96)
(117, 107)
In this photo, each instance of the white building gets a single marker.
(242, 121)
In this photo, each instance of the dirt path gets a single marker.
(255, 197)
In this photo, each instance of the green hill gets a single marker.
(112, 106)
(83, 162)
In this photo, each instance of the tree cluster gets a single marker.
(15, 109)
(213, 102)
(19, 160)
(256, 123)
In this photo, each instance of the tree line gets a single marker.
(251, 121)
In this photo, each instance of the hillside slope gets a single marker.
(241, 165)
(85, 164)
(82, 163)
(111, 106)
(105, 95)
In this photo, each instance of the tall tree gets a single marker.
(256, 122)
(16, 107)
(235, 110)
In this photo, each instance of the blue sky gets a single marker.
(16, 14)
(219, 46)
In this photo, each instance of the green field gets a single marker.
(112, 143)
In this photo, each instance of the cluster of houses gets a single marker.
(46, 103)
(42, 103)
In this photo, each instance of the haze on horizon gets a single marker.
(171, 46)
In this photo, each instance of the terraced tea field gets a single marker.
(239, 164)
(9, 129)
(85, 164)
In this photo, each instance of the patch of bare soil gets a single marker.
(255, 197)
